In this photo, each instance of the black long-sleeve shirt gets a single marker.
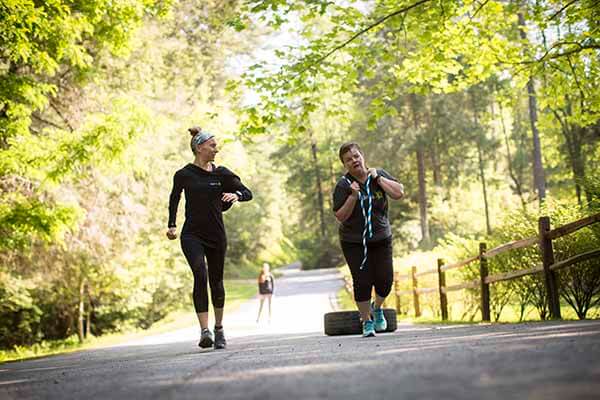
(203, 205)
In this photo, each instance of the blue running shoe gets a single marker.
(379, 318)
(368, 328)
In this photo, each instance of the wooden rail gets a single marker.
(427, 272)
(547, 267)
(467, 285)
(460, 263)
(572, 227)
(575, 259)
(426, 290)
(514, 274)
(511, 246)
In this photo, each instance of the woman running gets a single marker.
(360, 205)
(266, 284)
(209, 190)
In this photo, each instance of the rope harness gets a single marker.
(367, 211)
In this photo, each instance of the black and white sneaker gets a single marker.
(220, 342)
(206, 338)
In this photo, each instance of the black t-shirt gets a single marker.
(351, 230)
(203, 205)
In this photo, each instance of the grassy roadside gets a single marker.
(346, 302)
(509, 315)
(237, 293)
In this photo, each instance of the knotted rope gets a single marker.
(367, 211)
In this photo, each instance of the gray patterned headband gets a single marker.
(200, 138)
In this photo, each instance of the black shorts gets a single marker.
(378, 271)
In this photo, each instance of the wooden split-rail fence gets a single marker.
(547, 267)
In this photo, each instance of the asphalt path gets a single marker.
(290, 358)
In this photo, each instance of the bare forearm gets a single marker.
(394, 189)
(346, 210)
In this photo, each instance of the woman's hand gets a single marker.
(230, 197)
(346, 210)
(373, 173)
(172, 233)
(355, 187)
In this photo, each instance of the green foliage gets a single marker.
(39, 40)
(87, 160)
(19, 314)
(445, 77)
(579, 285)
(95, 98)
(40, 348)
(49, 242)
(237, 291)
(22, 218)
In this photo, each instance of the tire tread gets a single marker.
(348, 322)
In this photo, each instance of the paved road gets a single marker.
(291, 359)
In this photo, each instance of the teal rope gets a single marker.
(367, 211)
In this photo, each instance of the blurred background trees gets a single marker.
(486, 111)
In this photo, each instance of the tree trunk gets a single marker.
(578, 164)
(539, 179)
(511, 172)
(81, 313)
(313, 148)
(437, 180)
(483, 185)
(478, 140)
(434, 151)
(573, 140)
(332, 177)
(425, 237)
(88, 314)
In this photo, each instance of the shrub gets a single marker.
(19, 314)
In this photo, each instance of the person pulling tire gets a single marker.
(349, 323)
(361, 206)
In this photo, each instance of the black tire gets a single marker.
(348, 322)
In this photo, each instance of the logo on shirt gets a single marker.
(214, 183)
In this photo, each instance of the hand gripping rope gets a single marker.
(368, 230)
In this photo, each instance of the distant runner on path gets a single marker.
(209, 190)
(360, 205)
(266, 285)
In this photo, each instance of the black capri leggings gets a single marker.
(378, 272)
(195, 252)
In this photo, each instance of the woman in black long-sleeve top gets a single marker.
(209, 190)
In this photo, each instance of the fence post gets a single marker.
(549, 275)
(442, 287)
(396, 290)
(485, 287)
(415, 294)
